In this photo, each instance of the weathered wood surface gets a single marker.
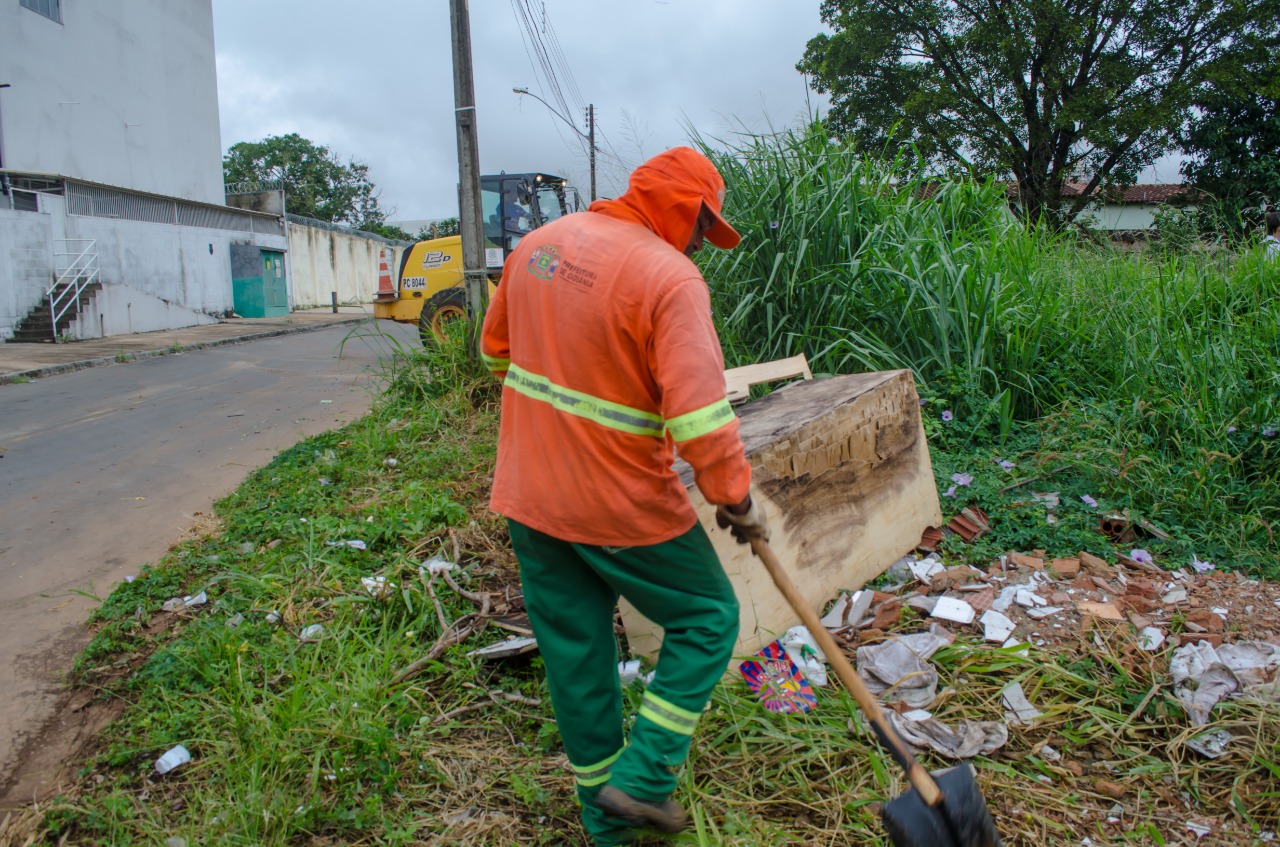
(842, 467)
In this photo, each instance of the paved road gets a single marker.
(103, 469)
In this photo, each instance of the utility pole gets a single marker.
(475, 270)
(591, 142)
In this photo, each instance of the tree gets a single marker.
(441, 229)
(1233, 137)
(316, 182)
(1045, 92)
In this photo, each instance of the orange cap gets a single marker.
(692, 170)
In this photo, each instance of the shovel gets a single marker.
(942, 809)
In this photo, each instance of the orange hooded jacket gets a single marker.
(602, 333)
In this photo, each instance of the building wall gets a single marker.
(26, 265)
(324, 260)
(122, 92)
(154, 276)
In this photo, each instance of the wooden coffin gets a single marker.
(842, 467)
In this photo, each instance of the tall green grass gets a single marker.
(1156, 371)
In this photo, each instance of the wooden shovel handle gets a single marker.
(916, 774)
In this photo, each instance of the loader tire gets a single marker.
(443, 307)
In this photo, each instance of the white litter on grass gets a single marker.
(963, 740)
(951, 609)
(377, 586)
(1212, 744)
(173, 757)
(849, 610)
(235, 620)
(1203, 675)
(629, 672)
(273, 617)
(807, 655)
(1199, 830)
(1010, 643)
(1020, 709)
(354, 544)
(1049, 754)
(195, 599)
(894, 671)
(917, 715)
(996, 627)
(437, 564)
(1150, 638)
(390, 463)
(311, 633)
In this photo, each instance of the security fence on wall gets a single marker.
(100, 201)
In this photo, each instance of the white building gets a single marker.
(111, 173)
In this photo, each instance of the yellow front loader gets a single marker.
(429, 288)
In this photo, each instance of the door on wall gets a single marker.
(277, 293)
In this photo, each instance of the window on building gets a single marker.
(51, 9)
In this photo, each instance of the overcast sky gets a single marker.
(374, 81)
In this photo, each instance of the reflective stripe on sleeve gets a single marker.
(701, 421)
(667, 716)
(497, 365)
(596, 774)
(613, 415)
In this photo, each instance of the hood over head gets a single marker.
(666, 194)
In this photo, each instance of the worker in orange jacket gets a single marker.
(601, 331)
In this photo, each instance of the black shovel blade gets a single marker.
(960, 820)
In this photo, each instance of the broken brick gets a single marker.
(1025, 561)
(1111, 789)
(1092, 563)
(1214, 638)
(1101, 611)
(887, 615)
(1207, 619)
(1067, 567)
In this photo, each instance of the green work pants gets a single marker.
(570, 591)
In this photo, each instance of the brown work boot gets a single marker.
(666, 816)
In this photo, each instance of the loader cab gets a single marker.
(512, 205)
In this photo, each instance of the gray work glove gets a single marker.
(751, 524)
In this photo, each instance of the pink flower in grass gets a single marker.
(950, 492)
(947, 416)
(1007, 465)
(1089, 501)
(961, 478)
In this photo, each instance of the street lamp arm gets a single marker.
(553, 111)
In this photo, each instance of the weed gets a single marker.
(122, 357)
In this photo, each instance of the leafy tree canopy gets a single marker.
(1045, 92)
(316, 182)
(1233, 137)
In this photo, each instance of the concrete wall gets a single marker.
(122, 92)
(154, 276)
(26, 265)
(323, 260)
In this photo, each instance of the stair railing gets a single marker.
(76, 271)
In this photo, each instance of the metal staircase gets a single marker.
(78, 277)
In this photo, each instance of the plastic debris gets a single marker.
(1212, 744)
(506, 648)
(195, 599)
(1020, 709)
(354, 544)
(172, 605)
(951, 609)
(629, 672)
(390, 463)
(377, 587)
(312, 632)
(1203, 675)
(1049, 754)
(273, 616)
(776, 680)
(173, 757)
(806, 654)
(1150, 638)
(996, 627)
(849, 610)
(1199, 830)
(235, 620)
(964, 740)
(437, 564)
(896, 673)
